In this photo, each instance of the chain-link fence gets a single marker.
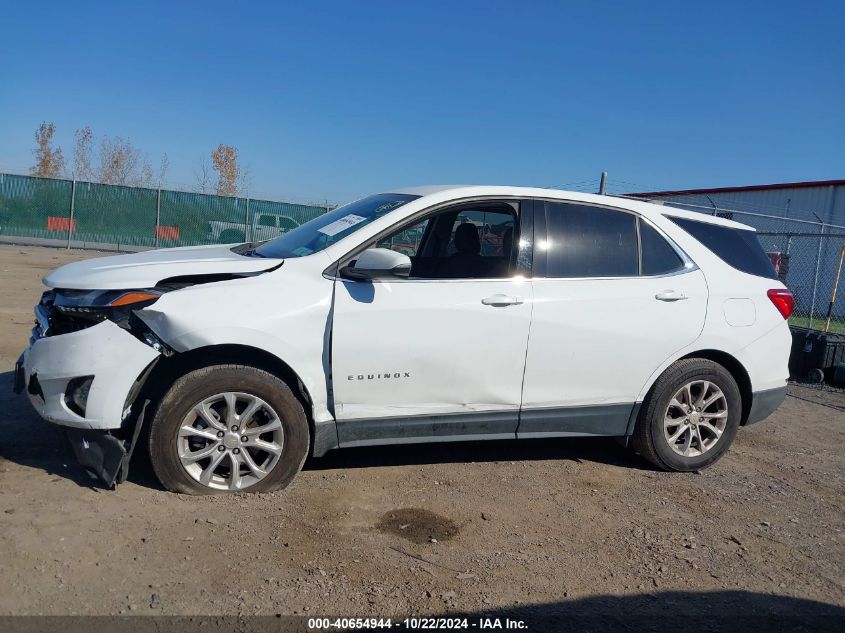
(809, 264)
(85, 214)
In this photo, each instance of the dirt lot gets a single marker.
(528, 527)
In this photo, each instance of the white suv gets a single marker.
(424, 315)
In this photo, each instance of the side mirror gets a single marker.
(378, 263)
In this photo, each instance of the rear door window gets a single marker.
(736, 247)
(586, 241)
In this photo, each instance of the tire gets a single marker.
(193, 419)
(816, 376)
(661, 418)
(231, 236)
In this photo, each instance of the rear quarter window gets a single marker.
(658, 257)
(736, 247)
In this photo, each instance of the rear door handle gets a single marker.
(670, 295)
(502, 300)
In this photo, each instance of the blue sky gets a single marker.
(336, 100)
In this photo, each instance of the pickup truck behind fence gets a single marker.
(264, 226)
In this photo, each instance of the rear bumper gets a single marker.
(764, 403)
(766, 359)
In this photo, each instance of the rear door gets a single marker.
(613, 299)
(439, 355)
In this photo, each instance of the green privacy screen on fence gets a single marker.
(115, 216)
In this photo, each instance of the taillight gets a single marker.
(783, 300)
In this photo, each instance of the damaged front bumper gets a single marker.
(103, 455)
(111, 355)
(114, 363)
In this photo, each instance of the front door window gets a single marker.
(468, 242)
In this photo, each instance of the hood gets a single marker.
(146, 269)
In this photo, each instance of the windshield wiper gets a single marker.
(250, 249)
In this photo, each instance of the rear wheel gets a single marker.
(228, 428)
(690, 416)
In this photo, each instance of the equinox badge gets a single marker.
(398, 374)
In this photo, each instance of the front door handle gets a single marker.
(502, 300)
(670, 295)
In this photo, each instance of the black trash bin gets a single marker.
(815, 354)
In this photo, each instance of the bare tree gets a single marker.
(203, 176)
(49, 161)
(163, 168)
(83, 167)
(147, 176)
(225, 160)
(244, 180)
(121, 163)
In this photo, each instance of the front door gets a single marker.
(440, 355)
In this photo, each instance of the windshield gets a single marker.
(332, 227)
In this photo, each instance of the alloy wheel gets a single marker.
(695, 418)
(230, 441)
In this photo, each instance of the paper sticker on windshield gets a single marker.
(341, 225)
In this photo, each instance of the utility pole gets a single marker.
(246, 222)
(157, 229)
(70, 219)
(603, 184)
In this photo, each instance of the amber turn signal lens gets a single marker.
(133, 297)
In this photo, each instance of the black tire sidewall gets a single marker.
(199, 384)
(703, 370)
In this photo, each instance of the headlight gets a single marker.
(81, 301)
(77, 309)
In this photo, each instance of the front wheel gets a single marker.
(228, 428)
(690, 416)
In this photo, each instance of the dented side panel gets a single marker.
(410, 348)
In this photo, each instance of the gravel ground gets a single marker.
(531, 527)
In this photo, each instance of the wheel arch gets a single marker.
(168, 369)
(736, 369)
